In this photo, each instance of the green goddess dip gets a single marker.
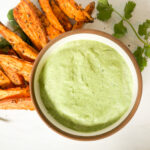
(86, 85)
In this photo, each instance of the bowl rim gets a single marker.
(124, 122)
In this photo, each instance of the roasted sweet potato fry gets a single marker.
(18, 66)
(17, 103)
(63, 19)
(28, 19)
(89, 9)
(74, 11)
(15, 78)
(23, 49)
(4, 80)
(50, 30)
(38, 12)
(14, 93)
(45, 5)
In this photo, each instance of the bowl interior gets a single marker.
(83, 36)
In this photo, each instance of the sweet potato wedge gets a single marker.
(45, 5)
(74, 11)
(37, 11)
(20, 103)
(50, 30)
(18, 66)
(23, 49)
(63, 19)
(15, 78)
(4, 80)
(31, 24)
(14, 93)
(89, 9)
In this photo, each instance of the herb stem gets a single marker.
(145, 43)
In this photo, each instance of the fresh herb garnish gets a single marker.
(129, 8)
(105, 11)
(141, 60)
(119, 30)
(3, 43)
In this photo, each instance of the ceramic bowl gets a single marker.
(86, 35)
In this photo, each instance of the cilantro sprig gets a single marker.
(105, 11)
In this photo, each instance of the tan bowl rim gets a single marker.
(122, 124)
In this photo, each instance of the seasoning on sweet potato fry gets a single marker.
(15, 78)
(45, 5)
(31, 24)
(89, 9)
(74, 11)
(63, 19)
(18, 66)
(37, 11)
(23, 49)
(14, 93)
(50, 30)
(4, 80)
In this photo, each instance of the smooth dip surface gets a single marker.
(86, 85)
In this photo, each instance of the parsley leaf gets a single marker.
(143, 29)
(104, 10)
(119, 30)
(147, 50)
(141, 60)
(104, 13)
(104, 2)
(12, 21)
(129, 9)
(3, 43)
(10, 15)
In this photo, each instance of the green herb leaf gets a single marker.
(147, 50)
(104, 10)
(24, 36)
(12, 21)
(3, 43)
(14, 25)
(119, 30)
(104, 2)
(10, 15)
(141, 60)
(129, 9)
(143, 29)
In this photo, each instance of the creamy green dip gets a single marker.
(86, 85)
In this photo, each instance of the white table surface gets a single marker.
(25, 130)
